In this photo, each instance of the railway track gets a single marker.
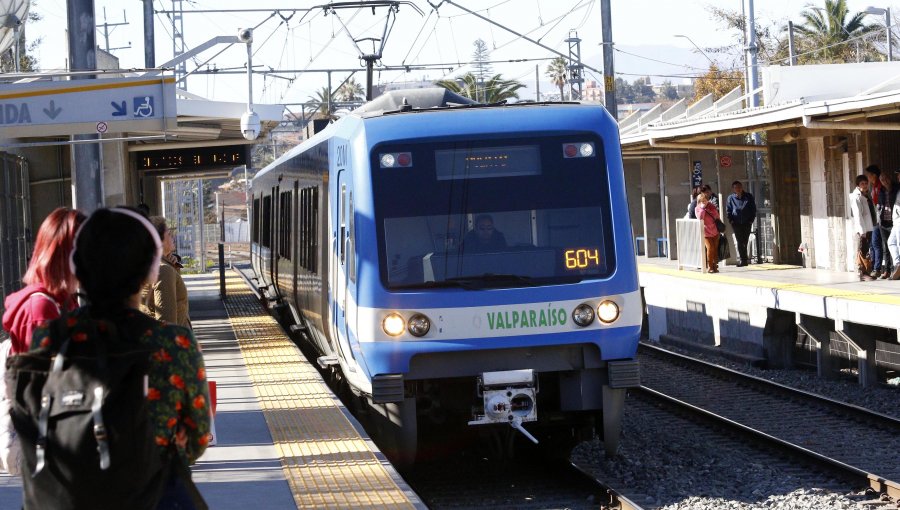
(469, 480)
(861, 443)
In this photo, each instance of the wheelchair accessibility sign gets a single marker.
(122, 105)
(143, 107)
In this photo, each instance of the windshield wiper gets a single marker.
(451, 282)
(526, 281)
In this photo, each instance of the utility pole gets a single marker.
(87, 169)
(752, 50)
(609, 72)
(753, 84)
(791, 49)
(576, 70)
(537, 82)
(106, 26)
(149, 37)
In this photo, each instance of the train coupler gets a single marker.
(509, 397)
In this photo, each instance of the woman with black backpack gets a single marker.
(111, 405)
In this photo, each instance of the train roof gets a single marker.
(426, 100)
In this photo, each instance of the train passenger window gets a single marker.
(343, 232)
(285, 225)
(307, 228)
(255, 225)
(266, 233)
(351, 241)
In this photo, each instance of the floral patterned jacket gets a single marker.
(177, 387)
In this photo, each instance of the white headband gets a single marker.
(157, 256)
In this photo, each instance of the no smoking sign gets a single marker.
(725, 161)
(102, 127)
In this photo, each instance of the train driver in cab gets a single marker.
(484, 238)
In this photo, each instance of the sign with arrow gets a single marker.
(79, 106)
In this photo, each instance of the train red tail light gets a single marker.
(396, 160)
(578, 150)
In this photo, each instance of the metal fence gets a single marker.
(15, 223)
(689, 235)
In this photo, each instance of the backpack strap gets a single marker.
(46, 400)
(48, 297)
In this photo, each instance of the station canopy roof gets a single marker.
(831, 97)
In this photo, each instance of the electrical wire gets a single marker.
(413, 45)
(659, 61)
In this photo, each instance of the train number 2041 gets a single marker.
(341, 153)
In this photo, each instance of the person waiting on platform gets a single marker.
(741, 212)
(166, 299)
(862, 214)
(708, 213)
(484, 237)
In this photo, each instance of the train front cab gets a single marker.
(559, 200)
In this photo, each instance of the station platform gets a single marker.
(758, 310)
(284, 440)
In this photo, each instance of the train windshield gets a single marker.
(492, 213)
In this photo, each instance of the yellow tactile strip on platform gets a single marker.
(806, 288)
(325, 461)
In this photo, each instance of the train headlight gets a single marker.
(607, 311)
(583, 315)
(418, 325)
(388, 161)
(393, 324)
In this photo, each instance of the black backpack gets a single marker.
(81, 414)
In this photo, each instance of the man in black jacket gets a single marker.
(741, 212)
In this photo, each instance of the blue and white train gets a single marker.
(463, 263)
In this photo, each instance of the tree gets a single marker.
(669, 91)
(320, 102)
(643, 92)
(558, 71)
(482, 56)
(716, 82)
(351, 91)
(495, 90)
(826, 32)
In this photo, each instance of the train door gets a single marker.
(339, 265)
(294, 236)
(276, 238)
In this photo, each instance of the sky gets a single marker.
(644, 33)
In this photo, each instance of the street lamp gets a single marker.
(711, 63)
(887, 24)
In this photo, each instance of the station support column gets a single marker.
(87, 167)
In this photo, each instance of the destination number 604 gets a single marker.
(582, 258)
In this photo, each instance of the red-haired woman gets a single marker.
(50, 287)
(50, 284)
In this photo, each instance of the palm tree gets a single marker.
(351, 91)
(558, 71)
(320, 102)
(829, 28)
(495, 90)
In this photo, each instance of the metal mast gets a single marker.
(576, 69)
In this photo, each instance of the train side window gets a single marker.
(266, 233)
(314, 230)
(256, 220)
(351, 240)
(302, 229)
(343, 223)
(285, 225)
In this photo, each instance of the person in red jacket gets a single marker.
(50, 284)
(707, 213)
(49, 288)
